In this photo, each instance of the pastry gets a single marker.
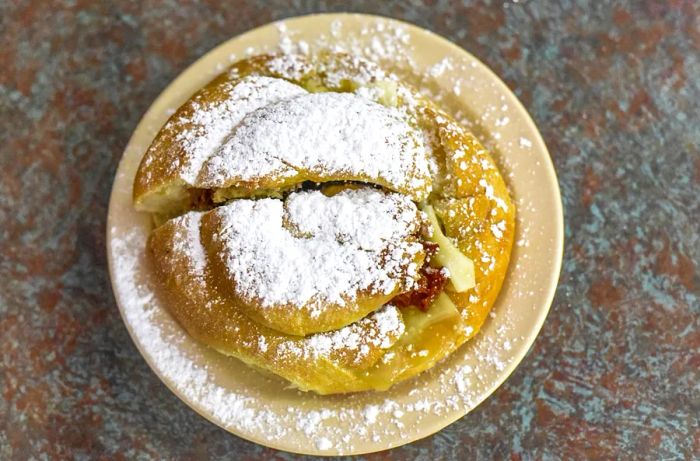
(320, 219)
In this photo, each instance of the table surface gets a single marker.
(615, 372)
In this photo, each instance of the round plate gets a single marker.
(262, 408)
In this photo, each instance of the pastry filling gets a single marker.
(430, 284)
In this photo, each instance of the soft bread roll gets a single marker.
(476, 211)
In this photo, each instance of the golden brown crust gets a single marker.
(476, 210)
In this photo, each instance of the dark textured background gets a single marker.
(615, 91)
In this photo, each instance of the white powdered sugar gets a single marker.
(355, 69)
(322, 443)
(358, 239)
(322, 135)
(291, 66)
(370, 413)
(163, 349)
(188, 242)
(209, 125)
(375, 330)
(379, 330)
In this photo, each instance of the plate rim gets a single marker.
(557, 217)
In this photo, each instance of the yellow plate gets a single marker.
(261, 408)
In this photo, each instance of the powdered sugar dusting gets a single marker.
(291, 66)
(322, 135)
(329, 425)
(359, 239)
(141, 311)
(375, 330)
(325, 428)
(322, 443)
(379, 330)
(189, 243)
(208, 126)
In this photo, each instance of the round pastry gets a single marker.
(320, 219)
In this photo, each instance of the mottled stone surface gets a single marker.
(615, 90)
